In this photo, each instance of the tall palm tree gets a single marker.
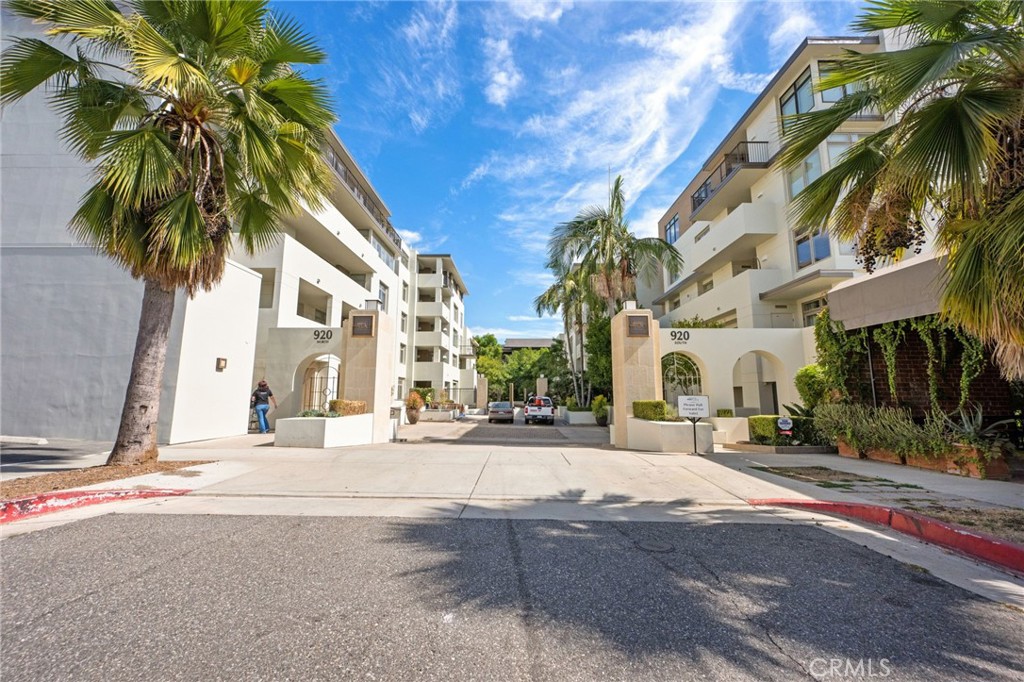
(951, 153)
(567, 296)
(607, 253)
(198, 126)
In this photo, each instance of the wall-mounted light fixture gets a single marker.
(222, 364)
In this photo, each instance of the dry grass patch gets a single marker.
(1006, 524)
(76, 478)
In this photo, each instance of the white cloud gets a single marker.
(504, 77)
(411, 237)
(532, 10)
(421, 81)
(634, 117)
(796, 21)
(533, 318)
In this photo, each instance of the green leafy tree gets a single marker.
(554, 364)
(197, 124)
(487, 346)
(697, 322)
(952, 151)
(609, 256)
(495, 372)
(568, 296)
(523, 367)
(598, 347)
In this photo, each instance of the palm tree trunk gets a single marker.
(136, 437)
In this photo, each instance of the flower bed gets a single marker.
(324, 432)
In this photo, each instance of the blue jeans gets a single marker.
(261, 415)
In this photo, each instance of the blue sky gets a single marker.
(483, 125)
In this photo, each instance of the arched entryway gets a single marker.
(680, 375)
(756, 379)
(320, 382)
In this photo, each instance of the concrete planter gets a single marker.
(668, 436)
(884, 456)
(783, 449)
(730, 429)
(324, 432)
(439, 415)
(580, 418)
(847, 450)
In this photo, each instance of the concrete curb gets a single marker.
(958, 538)
(23, 440)
(15, 510)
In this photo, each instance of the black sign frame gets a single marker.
(362, 325)
(638, 326)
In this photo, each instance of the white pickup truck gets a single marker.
(539, 409)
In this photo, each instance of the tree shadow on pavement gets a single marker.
(725, 599)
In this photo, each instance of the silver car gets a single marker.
(500, 412)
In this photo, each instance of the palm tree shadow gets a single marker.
(763, 600)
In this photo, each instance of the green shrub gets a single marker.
(579, 409)
(866, 428)
(764, 430)
(651, 410)
(312, 413)
(345, 408)
(724, 412)
(599, 406)
(812, 385)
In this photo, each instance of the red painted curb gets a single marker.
(959, 538)
(14, 510)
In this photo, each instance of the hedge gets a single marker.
(764, 430)
(348, 407)
(651, 410)
(724, 412)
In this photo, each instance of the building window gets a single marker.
(382, 295)
(672, 230)
(705, 286)
(826, 69)
(798, 99)
(811, 248)
(810, 310)
(400, 389)
(807, 172)
(405, 322)
(838, 143)
(405, 292)
(401, 353)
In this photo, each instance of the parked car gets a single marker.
(500, 412)
(539, 409)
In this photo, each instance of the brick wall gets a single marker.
(989, 390)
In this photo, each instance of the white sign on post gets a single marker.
(694, 406)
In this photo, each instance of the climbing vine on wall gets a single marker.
(839, 352)
(972, 362)
(889, 337)
(926, 328)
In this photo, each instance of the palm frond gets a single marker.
(28, 64)
(140, 166)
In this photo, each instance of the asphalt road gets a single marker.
(126, 597)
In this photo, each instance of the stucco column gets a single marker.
(481, 390)
(367, 366)
(636, 365)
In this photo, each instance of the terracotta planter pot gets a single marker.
(846, 450)
(930, 463)
(969, 462)
(884, 456)
(412, 415)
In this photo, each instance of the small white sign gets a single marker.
(694, 406)
(785, 424)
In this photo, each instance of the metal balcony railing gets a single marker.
(742, 155)
(348, 177)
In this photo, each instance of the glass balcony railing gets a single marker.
(375, 211)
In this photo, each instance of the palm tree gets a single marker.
(607, 253)
(567, 296)
(198, 125)
(951, 152)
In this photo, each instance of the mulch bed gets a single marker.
(76, 478)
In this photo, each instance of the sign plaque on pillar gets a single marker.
(638, 325)
(362, 325)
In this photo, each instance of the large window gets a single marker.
(838, 143)
(826, 69)
(811, 248)
(810, 310)
(405, 292)
(672, 230)
(798, 99)
(807, 172)
(705, 286)
(382, 296)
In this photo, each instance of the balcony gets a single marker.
(729, 183)
(433, 309)
(432, 339)
(740, 293)
(731, 239)
(349, 179)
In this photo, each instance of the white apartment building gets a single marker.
(70, 316)
(745, 266)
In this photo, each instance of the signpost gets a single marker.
(785, 425)
(694, 408)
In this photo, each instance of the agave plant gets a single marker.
(967, 427)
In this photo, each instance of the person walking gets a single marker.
(261, 400)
